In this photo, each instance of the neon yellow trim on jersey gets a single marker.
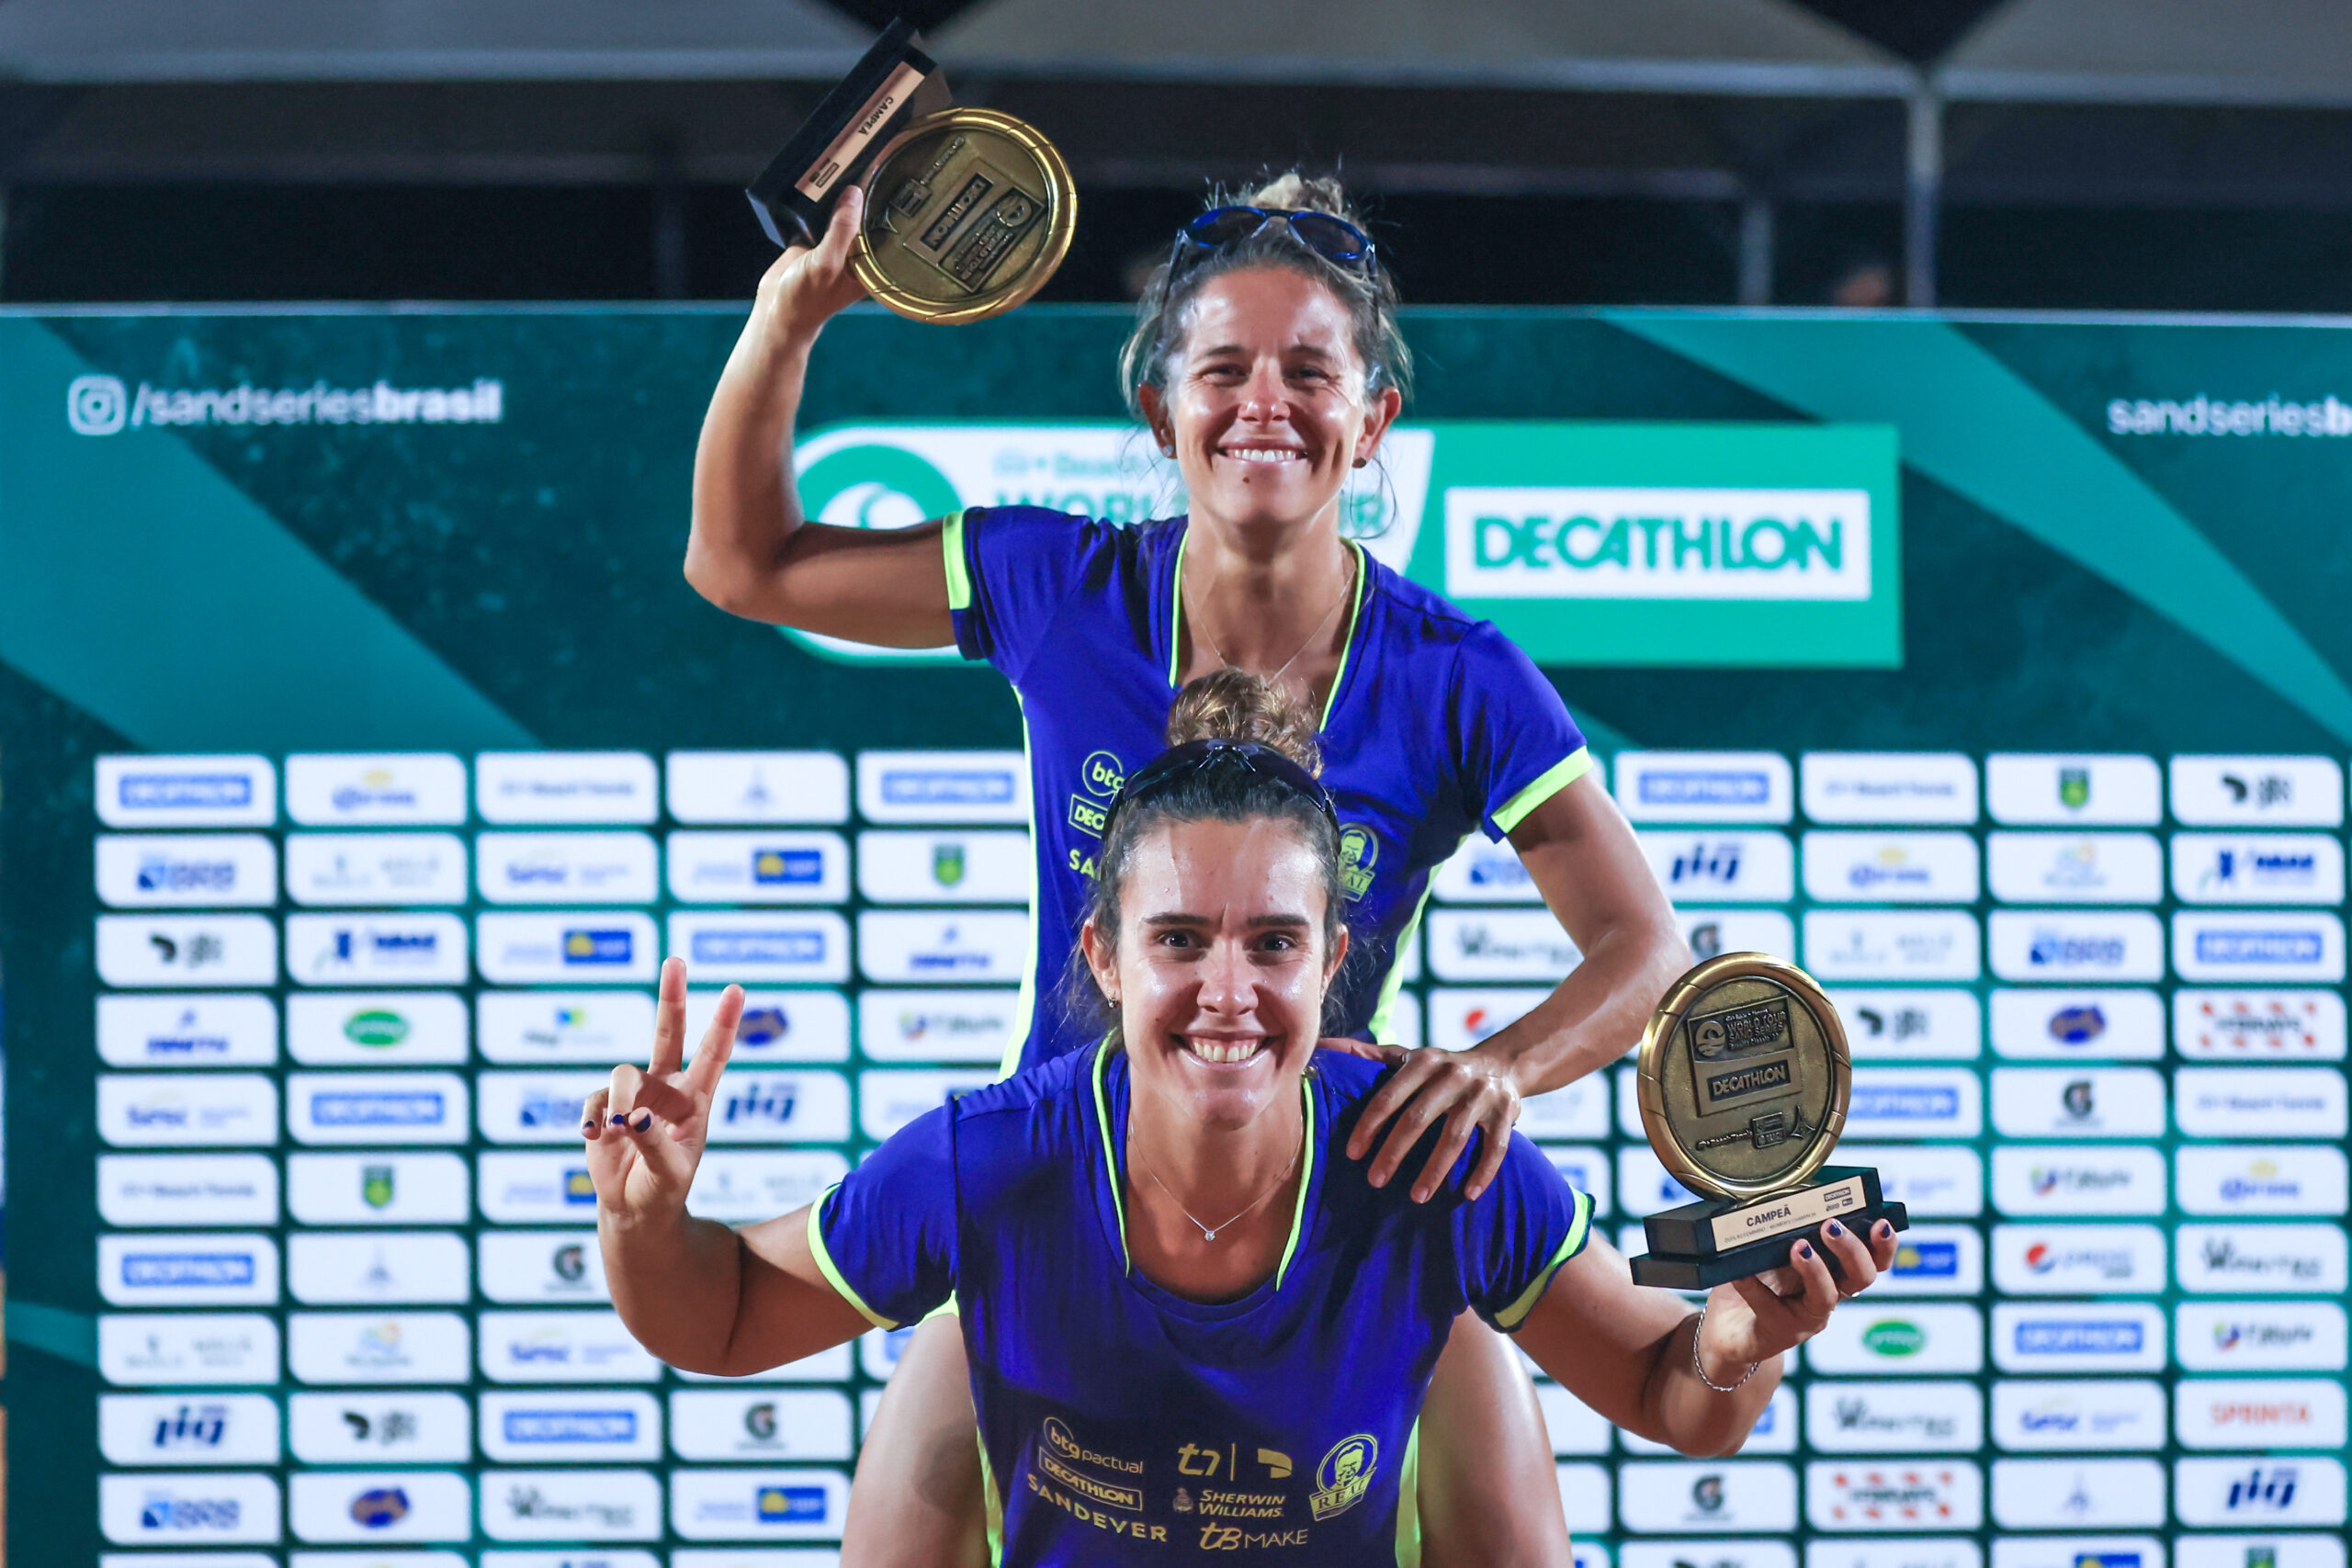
(1348, 644)
(1176, 609)
(1551, 781)
(825, 1261)
(959, 577)
(1110, 1154)
(1511, 1316)
(1025, 1006)
(1392, 986)
(995, 1504)
(1306, 1179)
(1408, 1502)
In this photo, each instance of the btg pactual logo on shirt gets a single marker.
(1099, 777)
(1345, 1475)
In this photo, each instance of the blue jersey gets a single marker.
(1436, 726)
(1120, 1423)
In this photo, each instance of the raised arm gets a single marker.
(700, 1295)
(753, 552)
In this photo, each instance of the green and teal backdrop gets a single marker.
(446, 530)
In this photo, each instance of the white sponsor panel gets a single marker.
(1934, 1260)
(1729, 787)
(1889, 788)
(757, 1505)
(795, 1424)
(1645, 1188)
(776, 946)
(180, 1428)
(2260, 1413)
(185, 1509)
(1889, 1023)
(1775, 1431)
(375, 869)
(2258, 868)
(2260, 1179)
(2060, 1179)
(377, 1189)
(187, 871)
(1460, 1017)
(197, 1030)
(778, 1026)
(1938, 1182)
(187, 1349)
(1584, 1167)
(2077, 1493)
(2042, 789)
(378, 1267)
(534, 1107)
(365, 1427)
(532, 1268)
(1876, 1495)
(187, 950)
(1585, 1502)
(186, 792)
(564, 787)
(2078, 1415)
(889, 1098)
(1848, 866)
(2075, 868)
(1579, 1110)
(348, 1507)
(1722, 866)
(1635, 1553)
(1891, 944)
(928, 1025)
(2078, 1103)
(187, 1190)
(931, 866)
(1500, 944)
(566, 868)
(187, 1110)
(2271, 792)
(353, 1029)
(525, 1188)
(776, 1105)
(2237, 1551)
(2078, 1022)
(919, 787)
(1914, 1417)
(583, 1027)
(2244, 1025)
(2084, 1259)
(1684, 1497)
(569, 1424)
(2261, 1336)
(375, 789)
(2271, 1259)
(1574, 1426)
(571, 1505)
(1899, 1339)
(1914, 1102)
(376, 950)
(202, 1269)
(577, 947)
(2257, 945)
(2278, 1102)
(2077, 945)
(1707, 932)
(400, 1347)
(563, 1347)
(376, 1108)
(1484, 873)
(1900, 1551)
(2078, 1337)
(959, 946)
(727, 787)
(2244, 1492)
(775, 866)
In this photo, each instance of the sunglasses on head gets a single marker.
(1335, 240)
(1196, 756)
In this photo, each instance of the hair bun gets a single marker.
(1305, 193)
(1234, 705)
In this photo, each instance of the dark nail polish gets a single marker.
(645, 1123)
(1801, 1250)
(620, 1119)
(1833, 1229)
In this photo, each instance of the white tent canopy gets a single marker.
(1744, 48)
(2268, 54)
(111, 42)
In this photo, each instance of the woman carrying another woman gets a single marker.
(1192, 1326)
(1267, 362)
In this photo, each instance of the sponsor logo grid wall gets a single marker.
(350, 1006)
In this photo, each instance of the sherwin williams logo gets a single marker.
(1894, 1338)
(1657, 543)
(375, 1026)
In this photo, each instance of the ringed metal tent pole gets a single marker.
(1923, 182)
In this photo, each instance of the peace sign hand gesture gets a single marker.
(645, 1131)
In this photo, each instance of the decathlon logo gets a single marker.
(103, 405)
(1657, 543)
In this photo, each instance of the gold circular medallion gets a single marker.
(968, 213)
(1744, 1077)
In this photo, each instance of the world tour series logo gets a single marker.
(1345, 1475)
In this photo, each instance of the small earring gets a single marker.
(1361, 461)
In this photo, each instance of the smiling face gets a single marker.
(1219, 968)
(1266, 406)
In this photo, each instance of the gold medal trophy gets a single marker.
(967, 211)
(1742, 1086)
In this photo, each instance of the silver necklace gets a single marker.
(1210, 1232)
(1202, 627)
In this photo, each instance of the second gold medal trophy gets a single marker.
(967, 211)
(1743, 1087)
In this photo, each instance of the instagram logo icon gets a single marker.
(95, 405)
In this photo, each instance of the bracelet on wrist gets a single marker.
(1698, 1367)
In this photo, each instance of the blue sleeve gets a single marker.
(1010, 570)
(885, 1233)
(1508, 1245)
(1515, 744)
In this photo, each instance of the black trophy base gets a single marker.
(1701, 1246)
